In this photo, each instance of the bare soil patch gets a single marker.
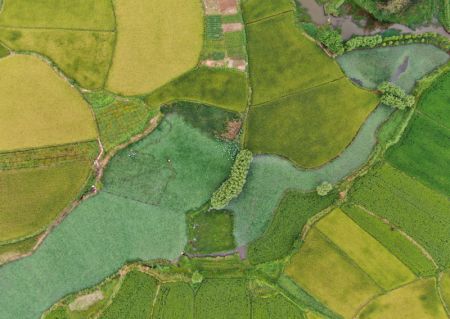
(84, 302)
(232, 27)
(228, 6)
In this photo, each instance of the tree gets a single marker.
(196, 278)
(324, 188)
(395, 96)
(331, 38)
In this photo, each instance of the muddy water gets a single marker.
(350, 28)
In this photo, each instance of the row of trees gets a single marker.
(395, 96)
(232, 187)
(363, 42)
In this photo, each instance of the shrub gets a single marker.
(324, 188)
(331, 38)
(395, 96)
(362, 42)
(197, 278)
(232, 187)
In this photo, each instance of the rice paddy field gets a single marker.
(154, 47)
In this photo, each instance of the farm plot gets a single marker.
(418, 300)
(274, 307)
(334, 279)
(84, 56)
(98, 237)
(444, 286)
(391, 238)
(270, 176)
(283, 61)
(403, 65)
(223, 88)
(175, 300)
(424, 150)
(222, 299)
(286, 225)
(311, 127)
(256, 9)
(409, 205)
(39, 108)
(134, 299)
(156, 42)
(372, 257)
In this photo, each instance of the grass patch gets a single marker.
(275, 306)
(175, 300)
(418, 300)
(445, 287)
(39, 108)
(256, 9)
(4, 51)
(311, 127)
(423, 152)
(393, 240)
(165, 43)
(416, 209)
(283, 61)
(222, 299)
(287, 223)
(329, 276)
(134, 299)
(371, 67)
(83, 56)
(235, 44)
(77, 14)
(224, 88)
(210, 232)
(372, 257)
(32, 198)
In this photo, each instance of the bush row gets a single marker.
(395, 96)
(232, 187)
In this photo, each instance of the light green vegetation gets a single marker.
(270, 176)
(75, 14)
(283, 61)
(373, 66)
(134, 299)
(32, 198)
(156, 42)
(222, 88)
(235, 44)
(393, 240)
(211, 120)
(286, 225)
(424, 150)
(38, 108)
(98, 237)
(210, 231)
(330, 276)
(4, 51)
(119, 119)
(175, 300)
(444, 286)
(277, 306)
(222, 299)
(418, 300)
(260, 9)
(372, 257)
(83, 56)
(416, 209)
(311, 127)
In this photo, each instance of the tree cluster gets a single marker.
(331, 38)
(232, 187)
(395, 96)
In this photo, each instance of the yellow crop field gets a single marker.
(156, 42)
(383, 267)
(418, 300)
(38, 107)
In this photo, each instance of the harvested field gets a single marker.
(333, 278)
(83, 56)
(312, 127)
(223, 88)
(156, 42)
(39, 108)
(418, 300)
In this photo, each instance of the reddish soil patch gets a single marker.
(232, 27)
(211, 6)
(228, 6)
(233, 128)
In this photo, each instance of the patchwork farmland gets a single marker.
(224, 159)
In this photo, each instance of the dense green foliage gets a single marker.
(363, 42)
(424, 152)
(393, 240)
(211, 120)
(395, 96)
(220, 87)
(418, 210)
(311, 127)
(210, 231)
(331, 38)
(134, 299)
(287, 223)
(175, 300)
(232, 187)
